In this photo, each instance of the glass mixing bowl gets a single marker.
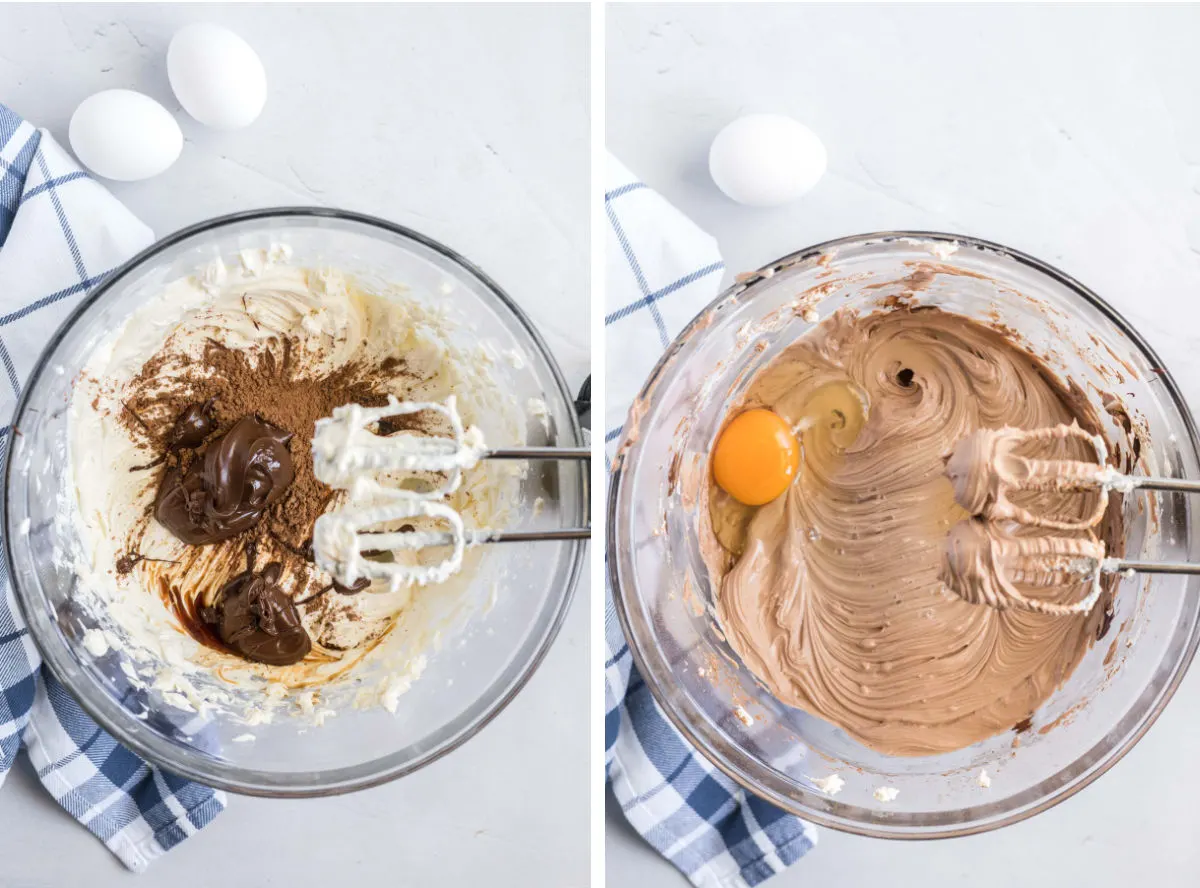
(664, 596)
(476, 673)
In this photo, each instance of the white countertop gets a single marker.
(471, 127)
(1072, 133)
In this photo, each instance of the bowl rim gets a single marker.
(55, 654)
(613, 565)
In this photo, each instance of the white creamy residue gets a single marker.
(831, 785)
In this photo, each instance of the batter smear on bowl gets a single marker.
(832, 594)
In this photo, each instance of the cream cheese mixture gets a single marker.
(831, 594)
(195, 498)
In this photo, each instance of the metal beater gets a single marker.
(348, 455)
(986, 557)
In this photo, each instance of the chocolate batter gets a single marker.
(831, 593)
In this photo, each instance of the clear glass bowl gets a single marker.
(664, 597)
(465, 684)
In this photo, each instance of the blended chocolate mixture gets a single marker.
(832, 595)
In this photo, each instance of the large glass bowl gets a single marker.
(477, 672)
(664, 596)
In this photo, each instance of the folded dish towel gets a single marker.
(60, 234)
(662, 271)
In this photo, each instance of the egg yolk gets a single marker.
(756, 457)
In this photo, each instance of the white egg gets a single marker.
(765, 160)
(217, 76)
(124, 135)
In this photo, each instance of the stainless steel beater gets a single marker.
(349, 455)
(985, 561)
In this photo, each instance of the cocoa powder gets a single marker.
(267, 382)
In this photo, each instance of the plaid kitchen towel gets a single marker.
(60, 234)
(662, 271)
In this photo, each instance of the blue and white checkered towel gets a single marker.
(662, 271)
(60, 234)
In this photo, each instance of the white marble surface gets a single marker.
(471, 125)
(1069, 132)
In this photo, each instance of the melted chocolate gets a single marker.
(257, 620)
(127, 562)
(226, 489)
(359, 585)
(193, 425)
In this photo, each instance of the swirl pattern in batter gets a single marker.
(831, 593)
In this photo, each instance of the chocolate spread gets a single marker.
(225, 490)
(192, 426)
(257, 619)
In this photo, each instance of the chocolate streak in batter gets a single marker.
(831, 593)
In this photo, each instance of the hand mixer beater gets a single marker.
(403, 477)
(989, 556)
